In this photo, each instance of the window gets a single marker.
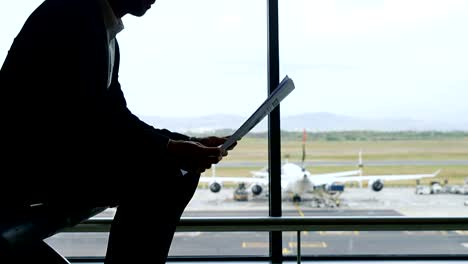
(379, 88)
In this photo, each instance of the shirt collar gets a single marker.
(113, 24)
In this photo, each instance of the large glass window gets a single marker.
(373, 127)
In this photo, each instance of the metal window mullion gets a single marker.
(298, 246)
(274, 132)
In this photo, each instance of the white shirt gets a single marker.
(113, 26)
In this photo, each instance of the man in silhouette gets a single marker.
(69, 141)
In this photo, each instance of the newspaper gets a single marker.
(282, 90)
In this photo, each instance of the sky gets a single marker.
(361, 58)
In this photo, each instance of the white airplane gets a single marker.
(376, 182)
(297, 181)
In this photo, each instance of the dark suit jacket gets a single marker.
(60, 123)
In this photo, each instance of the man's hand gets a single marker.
(213, 142)
(193, 156)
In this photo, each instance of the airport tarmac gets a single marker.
(402, 200)
(362, 201)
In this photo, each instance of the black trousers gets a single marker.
(143, 227)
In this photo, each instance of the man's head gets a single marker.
(133, 7)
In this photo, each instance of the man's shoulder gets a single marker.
(71, 3)
(64, 15)
(67, 8)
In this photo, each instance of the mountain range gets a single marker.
(321, 121)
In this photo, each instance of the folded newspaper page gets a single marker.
(282, 90)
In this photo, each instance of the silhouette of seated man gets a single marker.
(72, 148)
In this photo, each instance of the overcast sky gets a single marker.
(373, 58)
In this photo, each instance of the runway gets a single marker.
(356, 202)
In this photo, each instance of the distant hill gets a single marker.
(310, 121)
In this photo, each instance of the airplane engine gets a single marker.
(215, 187)
(377, 185)
(257, 189)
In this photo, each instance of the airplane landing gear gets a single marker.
(241, 194)
(325, 199)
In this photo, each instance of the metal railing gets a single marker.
(295, 224)
(266, 224)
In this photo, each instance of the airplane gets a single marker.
(296, 180)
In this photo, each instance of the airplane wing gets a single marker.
(387, 177)
(264, 174)
(232, 179)
(338, 174)
(260, 174)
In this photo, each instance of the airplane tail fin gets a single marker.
(360, 166)
(360, 163)
(304, 138)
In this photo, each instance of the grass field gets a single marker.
(256, 150)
